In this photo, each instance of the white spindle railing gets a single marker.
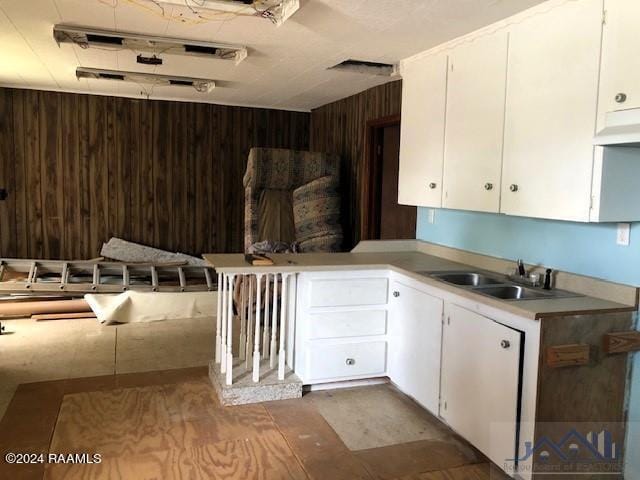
(265, 325)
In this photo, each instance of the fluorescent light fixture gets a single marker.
(278, 11)
(368, 68)
(87, 37)
(201, 85)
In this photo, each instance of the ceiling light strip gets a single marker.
(87, 37)
(202, 85)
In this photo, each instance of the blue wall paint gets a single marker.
(588, 249)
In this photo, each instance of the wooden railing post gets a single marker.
(265, 328)
(274, 324)
(283, 326)
(243, 318)
(219, 319)
(230, 332)
(248, 343)
(223, 336)
(256, 345)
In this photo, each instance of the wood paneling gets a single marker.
(340, 127)
(80, 169)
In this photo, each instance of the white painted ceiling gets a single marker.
(286, 67)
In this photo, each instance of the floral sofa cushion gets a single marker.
(316, 215)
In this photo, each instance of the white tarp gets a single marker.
(131, 306)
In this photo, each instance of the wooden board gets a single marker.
(621, 342)
(82, 168)
(559, 356)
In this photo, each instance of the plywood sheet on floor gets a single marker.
(165, 345)
(481, 471)
(394, 461)
(169, 425)
(376, 416)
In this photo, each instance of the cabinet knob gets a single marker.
(350, 361)
(513, 187)
(621, 97)
(488, 186)
(433, 185)
(505, 343)
(396, 294)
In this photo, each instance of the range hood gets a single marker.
(622, 128)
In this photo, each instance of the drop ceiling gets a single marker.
(287, 65)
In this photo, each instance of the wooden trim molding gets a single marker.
(621, 342)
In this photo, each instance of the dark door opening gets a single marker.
(383, 218)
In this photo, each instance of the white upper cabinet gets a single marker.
(552, 91)
(475, 123)
(620, 81)
(422, 133)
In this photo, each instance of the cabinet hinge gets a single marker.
(448, 320)
(604, 17)
(591, 202)
(445, 405)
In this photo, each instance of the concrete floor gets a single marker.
(34, 351)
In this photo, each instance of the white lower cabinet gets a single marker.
(480, 385)
(346, 361)
(341, 325)
(415, 338)
(458, 364)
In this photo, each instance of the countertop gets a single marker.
(410, 263)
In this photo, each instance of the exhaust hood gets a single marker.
(622, 129)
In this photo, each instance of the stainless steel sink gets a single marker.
(496, 286)
(512, 292)
(467, 279)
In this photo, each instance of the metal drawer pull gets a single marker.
(488, 186)
(432, 185)
(350, 361)
(513, 187)
(505, 343)
(396, 294)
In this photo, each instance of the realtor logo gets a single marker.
(574, 452)
(597, 447)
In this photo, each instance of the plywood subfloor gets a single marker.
(35, 351)
(169, 425)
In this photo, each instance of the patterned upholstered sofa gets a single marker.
(293, 196)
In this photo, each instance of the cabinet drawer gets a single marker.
(347, 360)
(359, 323)
(348, 292)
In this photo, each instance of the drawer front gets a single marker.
(358, 323)
(347, 360)
(348, 292)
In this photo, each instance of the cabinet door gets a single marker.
(480, 381)
(620, 60)
(424, 90)
(552, 91)
(475, 124)
(415, 336)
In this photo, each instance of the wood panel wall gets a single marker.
(340, 127)
(82, 168)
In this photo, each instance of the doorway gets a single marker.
(383, 218)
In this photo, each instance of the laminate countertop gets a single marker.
(412, 264)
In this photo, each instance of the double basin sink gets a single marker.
(493, 285)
